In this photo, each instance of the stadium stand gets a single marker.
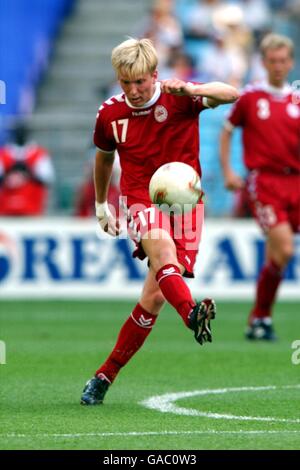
(27, 34)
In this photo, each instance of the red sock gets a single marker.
(266, 289)
(131, 337)
(175, 290)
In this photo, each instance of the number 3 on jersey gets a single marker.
(120, 128)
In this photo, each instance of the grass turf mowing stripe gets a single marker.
(147, 433)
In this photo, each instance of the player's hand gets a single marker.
(233, 182)
(107, 221)
(174, 86)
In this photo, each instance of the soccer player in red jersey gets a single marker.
(149, 124)
(269, 114)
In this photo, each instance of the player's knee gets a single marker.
(284, 253)
(166, 255)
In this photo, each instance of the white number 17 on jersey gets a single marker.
(124, 126)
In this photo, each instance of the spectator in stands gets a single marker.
(180, 65)
(163, 28)
(222, 63)
(26, 171)
(229, 22)
(200, 19)
(257, 15)
(270, 118)
(225, 41)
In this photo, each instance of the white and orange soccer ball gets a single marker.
(175, 186)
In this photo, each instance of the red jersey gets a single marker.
(25, 173)
(271, 128)
(166, 129)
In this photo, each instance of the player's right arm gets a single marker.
(237, 117)
(232, 181)
(102, 175)
(104, 159)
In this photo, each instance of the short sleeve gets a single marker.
(103, 138)
(237, 114)
(191, 105)
(197, 102)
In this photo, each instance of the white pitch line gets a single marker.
(165, 404)
(146, 433)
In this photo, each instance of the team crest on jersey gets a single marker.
(293, 110)
(160, 113)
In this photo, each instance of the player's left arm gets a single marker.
(215, 92)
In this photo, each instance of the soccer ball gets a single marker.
(175, 186)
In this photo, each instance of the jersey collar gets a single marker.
(149, 103)
(283, 91)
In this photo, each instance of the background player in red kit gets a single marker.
(149, 124)
(270, 118)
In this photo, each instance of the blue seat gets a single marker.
(27, 31)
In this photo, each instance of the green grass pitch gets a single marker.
(53, 347)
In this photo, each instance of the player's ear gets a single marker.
(154, 76)
(292, 64)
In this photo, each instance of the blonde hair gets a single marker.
(276, 41)
(134, 57)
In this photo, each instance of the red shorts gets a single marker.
(274, 199)
(185, 230)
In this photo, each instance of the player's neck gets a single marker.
(153, 99)
(279, 85)
(282, 89)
